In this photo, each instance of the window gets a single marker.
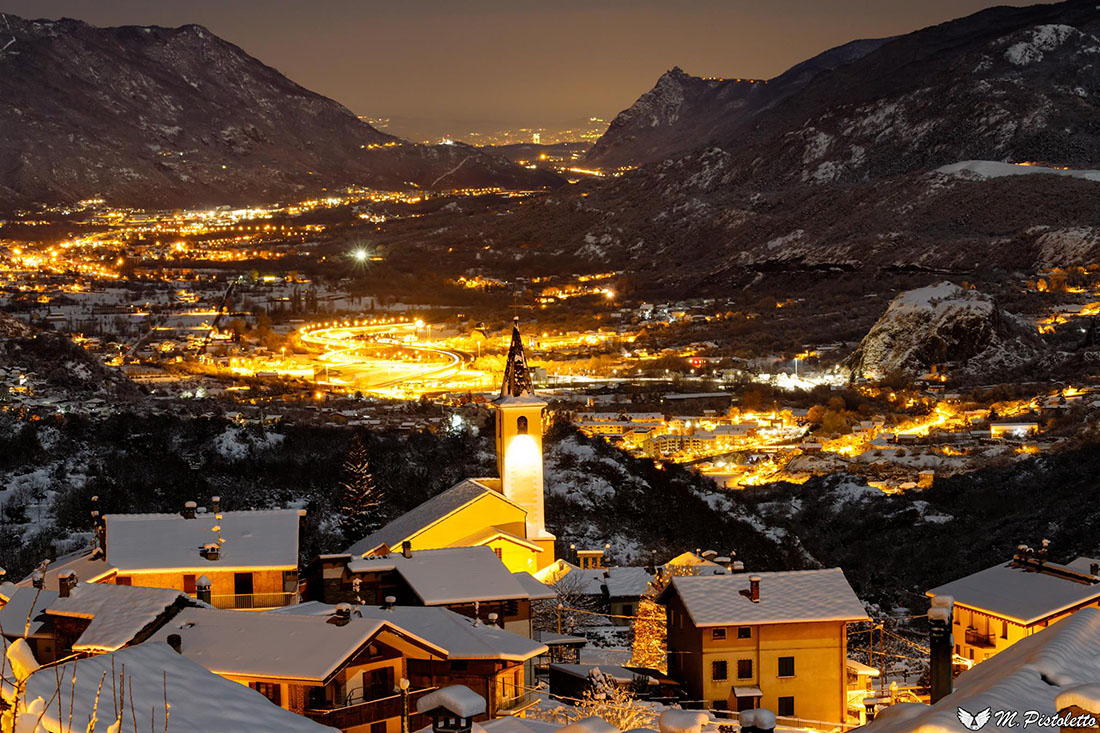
(744, 632)
(499, 552)
(274, 693)
(628, 609)
(786, 666)
(744, 669)
(379, 683)
(786, 706)
(290, 581)
(746, 703)
(718, 633)
(378, 727)
(188, 583)
(458, 665)
(521, 425)
(718, 670)
(1004, 629)
(122, 580)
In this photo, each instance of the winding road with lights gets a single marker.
(345, 354)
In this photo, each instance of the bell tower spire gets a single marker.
(519, 444)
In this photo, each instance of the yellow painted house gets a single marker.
(506, 513)
(1001, 605)
(771, 640)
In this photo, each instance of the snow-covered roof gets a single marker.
(304, 647)
(253, 539)
(551, 639)
(1020, 594)
(513, 724)
(591, 724)
(621, 675)
(118, 613)
(88, 565)
(459, 700)
(785, 597)
(626, 582)
(1029, 675)
(536, 590)
(198, 700)
(24, 604)
(419, 518)
(459, 636)
(449, 575)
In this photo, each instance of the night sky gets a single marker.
(457, 62)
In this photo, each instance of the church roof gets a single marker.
(517, 384)
(421, 517)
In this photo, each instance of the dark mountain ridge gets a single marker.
(684, 112)
(157, 116)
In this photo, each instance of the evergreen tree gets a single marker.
(649, 631)
(362, 501)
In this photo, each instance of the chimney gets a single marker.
(406, 549)
(202, 589)
(176, 642)
(1094, 568)
(211, 551)
(738, 566)
(216, 504)
(189, 510)
(941, 645)
(38, 580)
(66, 581)
(342, 614)
(493, 619)
(389, 603)
(754, 588)
(1043, 550)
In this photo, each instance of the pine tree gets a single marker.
(362, 501)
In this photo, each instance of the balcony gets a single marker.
(372, 711)
(980, 640)
(253, 601)
(514, 704)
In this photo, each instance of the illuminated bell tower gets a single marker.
(519, 445)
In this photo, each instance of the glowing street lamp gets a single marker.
(360, 255)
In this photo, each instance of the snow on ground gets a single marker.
(237, 443)
(982, 169)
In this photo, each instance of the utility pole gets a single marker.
(560, 608)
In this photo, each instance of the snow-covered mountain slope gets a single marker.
(683, 112)
(167, 116)
(943, 323)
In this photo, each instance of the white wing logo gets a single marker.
(974, 721)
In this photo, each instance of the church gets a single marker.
(506, 513)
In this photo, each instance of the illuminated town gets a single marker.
(534, 384)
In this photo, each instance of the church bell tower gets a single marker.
(519, 444)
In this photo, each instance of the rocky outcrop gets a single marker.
(943, 324)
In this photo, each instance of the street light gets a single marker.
(403, 689)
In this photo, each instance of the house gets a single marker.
(1001, 605)
(615, 590)
(337, 670)
(505, 514)
(773, 640)
(250, 558)
(153, 680)
(469, 580)
(85, 618)
(1054, 672)
(498, 664)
